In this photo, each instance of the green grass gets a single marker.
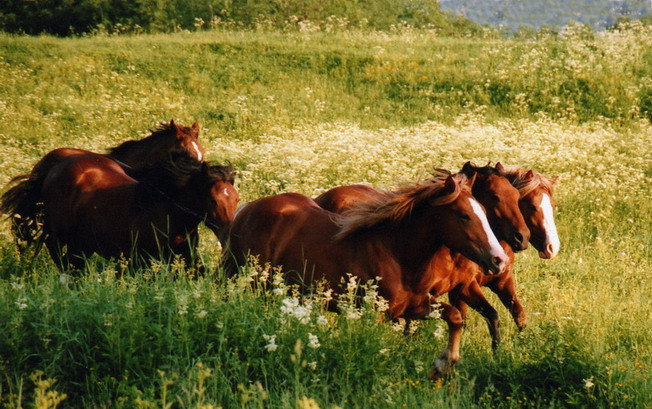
(305, 112)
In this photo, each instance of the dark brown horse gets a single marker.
(91, 205)
(393, 237)
(23, 199)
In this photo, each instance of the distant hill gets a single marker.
(512, 14)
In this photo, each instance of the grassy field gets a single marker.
(305, 112)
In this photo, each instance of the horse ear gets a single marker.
(500, 168)
(449, 185)
(467, 168)
(471, 180)
(529, 175)
(196, 128)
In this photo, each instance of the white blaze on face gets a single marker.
(549, 225)
(226, 192)
(496, 249)
(199, 155)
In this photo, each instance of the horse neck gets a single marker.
(182, 218)
(139, 153)
(410, 245)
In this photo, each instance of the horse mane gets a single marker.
(485, 171)
(164, 130)
(394, 207)
(524, 184)
(167, 178)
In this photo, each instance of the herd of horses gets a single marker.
(451, 234)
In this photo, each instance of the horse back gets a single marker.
(81, 182)
(341, 198)
(289, 230)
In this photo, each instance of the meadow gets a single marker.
(304, 111)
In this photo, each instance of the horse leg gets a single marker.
(451, 354)
(473, 296)
(505, 288)
(60, 257)
(454, 297)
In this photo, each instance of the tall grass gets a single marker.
(305, 112)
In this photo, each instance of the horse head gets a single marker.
(465, 227)
(187, 137)
(221, 197)
(537, 204)
(501, 200)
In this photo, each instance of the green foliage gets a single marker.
(68, 17)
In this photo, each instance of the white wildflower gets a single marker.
(292, 307)
(313, 341)
(201, 314)
(321, 320)
(439, 332)
(353, 314)
(588, 382)
(271, 342)
(436, 311)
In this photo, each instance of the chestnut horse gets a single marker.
(91, 205)
(492, 192)
(392, 237)
(23, 200)
(455, 273)
(536, 204)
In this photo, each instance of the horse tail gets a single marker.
(23, 204)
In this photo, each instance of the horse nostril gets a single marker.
(498, 262)
(518, 237)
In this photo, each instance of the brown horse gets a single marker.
(392, 237)
(536, 204)
(91, 205)
(455, 273)
(500, 201)
(24, 198)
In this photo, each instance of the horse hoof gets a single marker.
(435, 376)
(440, 369)
(521, 322)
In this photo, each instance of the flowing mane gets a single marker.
(167, 178)
(164, 130)
(395, 207)
(526, 180)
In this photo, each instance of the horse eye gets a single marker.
(495, 197)
(465, 217)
